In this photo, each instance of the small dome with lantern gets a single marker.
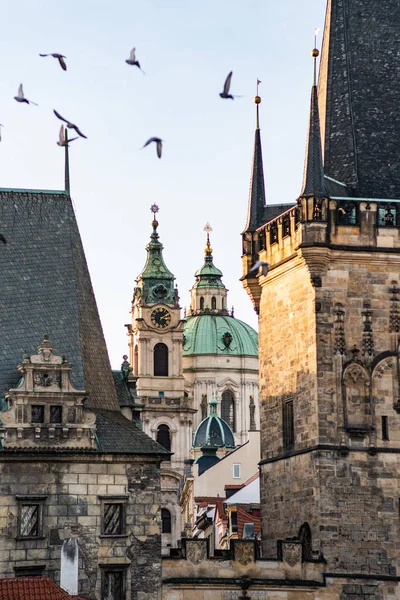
(213, 432)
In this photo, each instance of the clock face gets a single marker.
(160, 318)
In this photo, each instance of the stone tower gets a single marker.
(329, 316)
(155, 346)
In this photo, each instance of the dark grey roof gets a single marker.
(257, 188)
(313, 178)
(359, 96)
(122, 389)
(274, 210)
(46, 288)
(336, 188)
(117, 435)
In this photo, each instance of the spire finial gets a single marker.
(257, 101)
(315, 54)
(66, 169)
(208, 228)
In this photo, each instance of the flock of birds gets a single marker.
(63, 137)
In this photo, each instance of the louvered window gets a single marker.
(30, 516)
(113, 521)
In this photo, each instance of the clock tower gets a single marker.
(155, 348)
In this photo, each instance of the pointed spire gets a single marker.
(66, 171)
(313, 178)
(257, 188)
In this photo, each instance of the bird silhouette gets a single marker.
(132, 60)
(158, 142)
(63, 141)
(259, 264)
(59, 57)
(21, 97)
(225, 93)
(70, 125)
(3, 239)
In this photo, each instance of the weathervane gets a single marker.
(207, 229)
(154, 209)
(315, 54)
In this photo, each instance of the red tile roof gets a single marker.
(32, 588)
(245, 517)
(252, 478)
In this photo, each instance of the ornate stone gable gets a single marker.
(45, 411)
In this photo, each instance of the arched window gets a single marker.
(223, 303)
(228, 409)
(305, 538)
(213, 303)
(164, 437)
(202, 303)
(165, 521)
(161, 360)
(136, 361)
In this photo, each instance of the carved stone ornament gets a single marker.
(291, 553)
(196, 551)
(244, 552)
(227, 339)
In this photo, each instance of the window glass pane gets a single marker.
(55, 414)
(236, 471)
(37, 414)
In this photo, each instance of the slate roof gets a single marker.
(117, 435)
(257, 188)
(313, 178)
(46, 288)
(32, 588)
(359, 94)
(122, 390)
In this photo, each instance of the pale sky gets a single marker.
(186, 48)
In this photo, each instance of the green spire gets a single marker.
(156, 281)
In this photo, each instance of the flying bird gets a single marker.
(225, 93)
(264, 268)
(21, 97)
(63, 141)
(158, 141)
(60, 58)
(70, 125)
(3, 239)
(132, 60)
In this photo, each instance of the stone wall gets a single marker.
(72, 487)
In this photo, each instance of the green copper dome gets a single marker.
(213, 432)
(218, 334)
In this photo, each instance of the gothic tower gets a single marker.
(155, 346)
(329, 318)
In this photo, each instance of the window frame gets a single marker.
(164, 508)
(121, 500)
(110, 568)
(31, 500)
(288, 433)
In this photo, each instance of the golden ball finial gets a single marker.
(315, 53)
(257, 100)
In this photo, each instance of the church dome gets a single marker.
(213, 432)
(218, 334)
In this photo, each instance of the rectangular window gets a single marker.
(236, 471)
(234, 523)
(113, 515)
(30, 516)
(55, 414)
(288, 424)
(113, 584)
(385, 428)
(37, 414)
